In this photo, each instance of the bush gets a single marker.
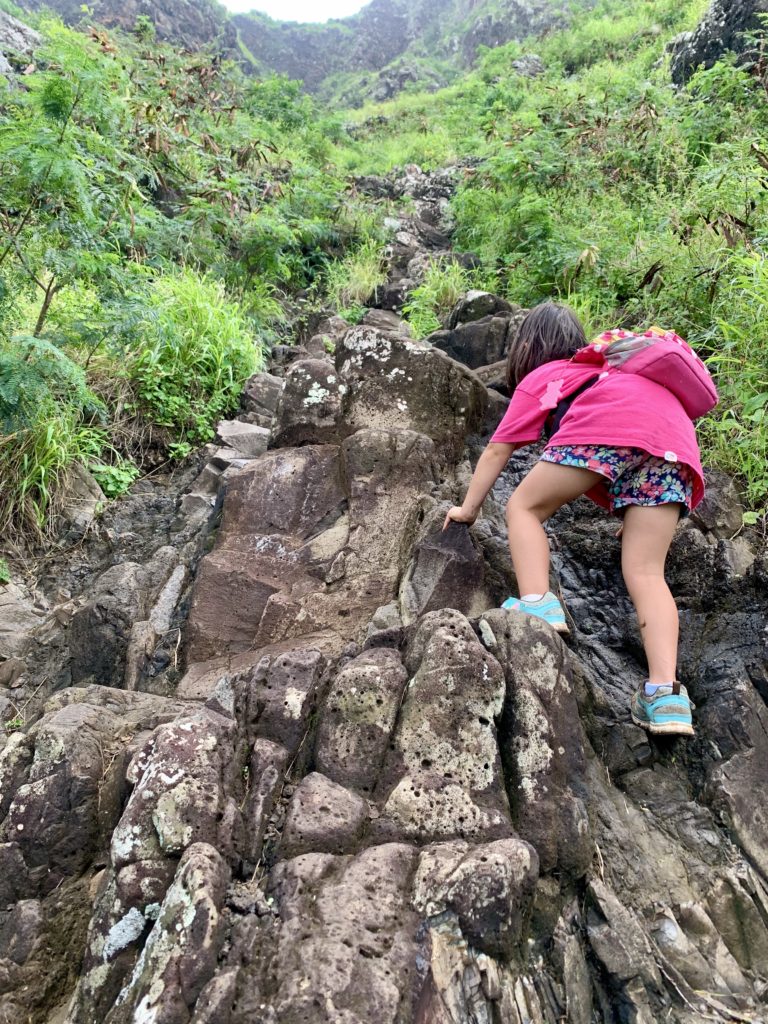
(351, 282)
(49, 419)
(443, 285)
(193, 351)
(736, 434)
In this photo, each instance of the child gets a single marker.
(628, 444)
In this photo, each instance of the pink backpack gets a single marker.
(662, 357)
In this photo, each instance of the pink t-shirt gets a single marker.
(620, 409)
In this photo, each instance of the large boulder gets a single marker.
(313, 540)
(481, 341)
(722, 29)
(443, 777)
(396, 383)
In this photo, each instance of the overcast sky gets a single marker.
(298, 10)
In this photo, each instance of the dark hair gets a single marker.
(549, 331)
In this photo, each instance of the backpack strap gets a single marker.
(552, 424)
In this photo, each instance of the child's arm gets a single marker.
(489, 466)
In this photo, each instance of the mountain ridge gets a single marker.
(387, 45)
(387, 30)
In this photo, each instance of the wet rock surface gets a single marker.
(284, 759)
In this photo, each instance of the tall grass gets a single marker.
(430, 303)
(34, 463)
(351, 281)
(191, 354)
(736, 434)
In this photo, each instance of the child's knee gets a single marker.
(515, 506)
(637, 573)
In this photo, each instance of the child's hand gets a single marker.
(457, 514)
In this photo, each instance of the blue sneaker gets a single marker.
(667, 712)
(548, 608)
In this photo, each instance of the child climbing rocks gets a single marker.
(625, 441)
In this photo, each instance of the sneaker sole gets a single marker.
(665, 729)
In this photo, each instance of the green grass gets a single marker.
(351, 281)
(196, 350)
(430, 303)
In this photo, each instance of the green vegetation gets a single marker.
(350, 282)
(435, 297)
(156, 211)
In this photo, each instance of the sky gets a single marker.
(297, 10)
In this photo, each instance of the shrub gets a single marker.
(49, 419)
(193, 352)
(736, 434)
(443, 285)
(351, 282)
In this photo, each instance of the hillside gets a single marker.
(388, 45)
(271, 751)
(422, 42)
(194, 24)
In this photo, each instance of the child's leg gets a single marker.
(648, 532)
(540, 495)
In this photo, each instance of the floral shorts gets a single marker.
(633, 477)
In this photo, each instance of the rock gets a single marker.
(358, 718)
(543, 745)
(481, 341)
(621, 945)
(447, 571)
(572, 962)
(720, 511)
(323, 817)
(346, 935)
(722, 28)
(332, 326)
(394, 295)
(247, 439)
(385, 618)
(738, 556)
(16, 37)
(62, 789)
(475, 305)
(311, 543)
(320, 346)
(310, 406)
(495, 376)
(732, 907)
(442, 776)
(267, 771)
(261, 397)
(396, 383)
(208, 482)
(488, 887)
(382, 320)
(80, 498)
(530, 65)
(19, 618)
(181, 951)
(103, 645)
(283, 694)
(182, 778)
(273, 506)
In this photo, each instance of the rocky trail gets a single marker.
(284, 759)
